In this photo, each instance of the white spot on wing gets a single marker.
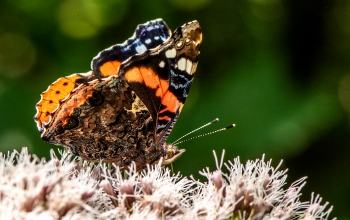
(181, 64)
(161, 64)
(148, 41)
(156, 37)
(140, 48)
(171, 53)
(179, 44)
(189, 66)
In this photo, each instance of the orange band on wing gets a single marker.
(171, 104)
(165, 118)
(134, 75)
(164, 86)
(148, 77)
(110, 68)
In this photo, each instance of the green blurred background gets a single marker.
(278, 69)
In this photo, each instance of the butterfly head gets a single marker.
(171, 153)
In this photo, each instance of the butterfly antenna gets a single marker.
(202, 135)
(203, 126)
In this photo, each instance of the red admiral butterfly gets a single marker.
(124, 109)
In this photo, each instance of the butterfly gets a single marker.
(123, 110)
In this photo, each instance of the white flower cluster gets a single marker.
(67, 188)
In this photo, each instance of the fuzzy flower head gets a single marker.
(31, 188)
(67, 188)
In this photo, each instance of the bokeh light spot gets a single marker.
(83, 19)
(268, 10)
(17, 54)
(109, 11)
(37, 6)
(74, 21)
